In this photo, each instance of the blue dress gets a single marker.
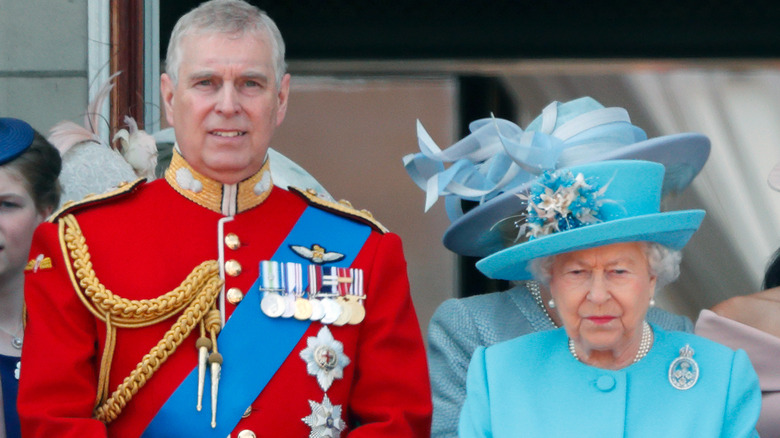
(9, 373)
(533, 387)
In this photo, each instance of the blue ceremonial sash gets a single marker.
(253, 346)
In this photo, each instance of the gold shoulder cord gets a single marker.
(342, 206)
(196, 295)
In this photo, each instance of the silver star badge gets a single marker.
(325, 419)
(324, 357)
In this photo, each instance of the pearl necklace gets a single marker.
(16, 341)
(644, 344)
(533, 287)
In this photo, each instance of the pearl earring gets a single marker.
(652, 302)
(551, 303)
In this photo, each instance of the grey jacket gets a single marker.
(459, 326)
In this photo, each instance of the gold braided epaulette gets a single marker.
(69, 207)
(341, 208)
(193, 300)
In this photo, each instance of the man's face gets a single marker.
(225, 106)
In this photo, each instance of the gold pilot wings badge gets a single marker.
(317, 254)
(39, 262)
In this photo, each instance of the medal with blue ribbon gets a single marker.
(253, 345)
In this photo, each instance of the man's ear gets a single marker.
(283, 96)
(166, 91)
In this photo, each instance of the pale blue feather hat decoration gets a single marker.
(588, 206)
(498, 160)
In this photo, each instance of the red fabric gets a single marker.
(144, 246)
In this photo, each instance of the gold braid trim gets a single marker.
(125, 312)
(342, 208)
(196, 295)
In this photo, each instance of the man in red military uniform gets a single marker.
(211, 303)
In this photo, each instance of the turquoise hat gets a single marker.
(587, 206)
(498, 160)
(15, 137)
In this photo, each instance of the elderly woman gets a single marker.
(596, 238)
(563, 135)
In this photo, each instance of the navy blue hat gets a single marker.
(15, 137)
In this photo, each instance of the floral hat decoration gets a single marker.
(559, 201)
(587, 206)
(498, 160)
(15, 137)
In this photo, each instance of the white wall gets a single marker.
(43, 61)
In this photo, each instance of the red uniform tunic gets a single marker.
(142, 245)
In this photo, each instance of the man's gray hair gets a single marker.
(233, 17)
(662, 261)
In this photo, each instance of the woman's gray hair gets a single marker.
(541, 269)
(662, 261)
(234, 17)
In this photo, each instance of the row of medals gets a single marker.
(342, 310)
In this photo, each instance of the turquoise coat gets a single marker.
(532, 386)
(461, 325)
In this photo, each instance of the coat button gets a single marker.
(233, 268)
(246, 433)
(232, 241)
(234, 295)
(605, 383)
(247, 412)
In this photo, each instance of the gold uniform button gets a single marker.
(232, 241)
(233, 268)
(234, 295)
(246, 433)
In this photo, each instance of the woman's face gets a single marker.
(18, 219)
(602, 295)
